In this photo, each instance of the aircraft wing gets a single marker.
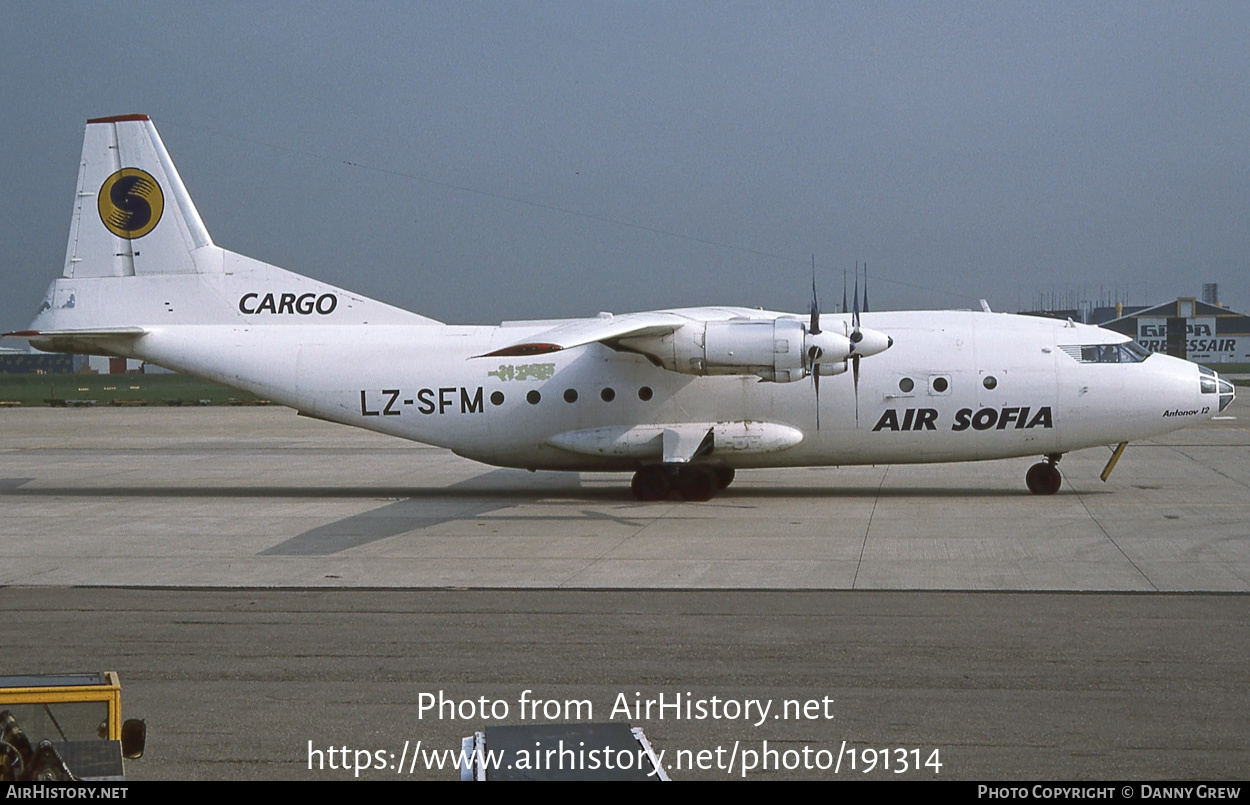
(602, 330)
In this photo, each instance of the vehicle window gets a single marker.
(62, 721)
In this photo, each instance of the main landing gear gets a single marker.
(689, 481)
(1044, 478)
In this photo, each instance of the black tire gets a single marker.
(697, 483)
(724, 477)
(651, 483)
(1043, 479)
(16, 753)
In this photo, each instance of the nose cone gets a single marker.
(872, 342)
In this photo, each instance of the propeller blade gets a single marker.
(856, 336)
(816, 381)
(865, 287)
(855, 371)
(844, 287)
(814, 326)
(814, 352)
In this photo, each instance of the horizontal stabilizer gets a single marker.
(85, 342)
(116, 332)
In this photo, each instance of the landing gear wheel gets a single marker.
(696, 483)
(724, 477)
(651, 483)
(1043, 479)
(16, 752)
(12, 766)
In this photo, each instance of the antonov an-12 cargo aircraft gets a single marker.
(682, 398)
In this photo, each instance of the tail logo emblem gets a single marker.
(131, 203)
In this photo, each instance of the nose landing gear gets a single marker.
(1044, 478)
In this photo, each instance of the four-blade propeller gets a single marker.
(826, 350)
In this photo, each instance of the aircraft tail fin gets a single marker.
(140, 257)
(127, 186)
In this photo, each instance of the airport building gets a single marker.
(1191, 329)
(33, 362)
(1200, 330)
(40, 363)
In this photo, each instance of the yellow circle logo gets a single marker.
(131, 203)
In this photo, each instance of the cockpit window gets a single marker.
(1100, 353)
(1226, 393)
(1128, 352)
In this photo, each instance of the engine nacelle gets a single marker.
(771, 349)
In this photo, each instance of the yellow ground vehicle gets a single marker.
(65, 727)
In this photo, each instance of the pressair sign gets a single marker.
(1202, 341)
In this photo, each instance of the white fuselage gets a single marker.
(426, 383)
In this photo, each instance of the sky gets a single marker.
(483, 161)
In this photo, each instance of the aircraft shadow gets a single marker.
(415, 508)
(13, 487)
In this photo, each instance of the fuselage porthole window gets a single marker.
(533, 397)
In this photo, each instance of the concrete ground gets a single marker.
(263, 498)
(261, 581)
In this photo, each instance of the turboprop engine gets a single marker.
(780, 350)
